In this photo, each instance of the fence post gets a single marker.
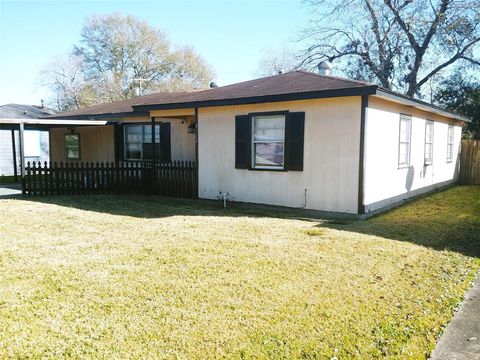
(56, 178)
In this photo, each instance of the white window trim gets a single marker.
(429, 161)
(73, 147)
(450, 144)
(157, 140)
(409, 118)
(253, 142)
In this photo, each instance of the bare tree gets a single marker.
(65, 79)
(400, 44)
(114, 52)
(277, 61)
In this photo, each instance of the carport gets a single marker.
(153, 176)
(38, 124)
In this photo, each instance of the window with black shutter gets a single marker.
(118, 134)
(165, 153)
(294, 139)
(242, 141)
(137, 142)
(270, 141)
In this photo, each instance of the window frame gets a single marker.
(450, 136)
(252, 141)
(66, 147)
(142, 125)
(400, 142)
(426, 161)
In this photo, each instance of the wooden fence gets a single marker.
(470, 162)
(177, 178)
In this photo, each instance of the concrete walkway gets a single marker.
(462, 337)
(9, 190)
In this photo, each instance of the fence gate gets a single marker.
(470, 162)
(176, 178)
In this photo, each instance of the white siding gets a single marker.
(331, 157)
(384, 181)
(36, 151)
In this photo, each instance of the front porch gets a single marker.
(143, 154)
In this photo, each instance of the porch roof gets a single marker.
(39, 124)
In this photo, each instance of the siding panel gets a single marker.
(384, 182)
(330, 172)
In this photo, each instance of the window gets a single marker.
(138, 142)
(450, 144)
(268, 138)
(428, 142)
(404, 141)
(269, 141)
(72, 146)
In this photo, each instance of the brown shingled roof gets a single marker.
(289, 83)
(271, 88)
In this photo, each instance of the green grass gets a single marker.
(7, 179)
(147, 277)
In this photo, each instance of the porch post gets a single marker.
(154, 173)
(196, 149)
(14, 153)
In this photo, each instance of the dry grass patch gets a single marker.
(130, 277)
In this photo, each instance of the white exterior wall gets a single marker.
(384, 182)
(36, 149)
(331, 157)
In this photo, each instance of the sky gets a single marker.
(232, 36)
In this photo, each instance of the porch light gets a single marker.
(192, 128)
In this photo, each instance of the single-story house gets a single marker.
(37, 147)
(298, 139)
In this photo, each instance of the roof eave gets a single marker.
(358, 91)
(422, 105)
(99, 116)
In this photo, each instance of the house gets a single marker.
(298, 139)
(36, 142)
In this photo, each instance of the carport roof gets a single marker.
(31, 123)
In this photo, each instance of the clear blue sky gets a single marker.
(232, 36)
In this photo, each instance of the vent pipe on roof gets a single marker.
(325, 68)
(213, 85)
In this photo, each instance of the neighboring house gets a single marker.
(298, 139)
(36, 142)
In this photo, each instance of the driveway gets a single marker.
(462, 337)
(9, 190)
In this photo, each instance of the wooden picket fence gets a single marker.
(470, 163)
(176, 178)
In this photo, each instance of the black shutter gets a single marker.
(243, 131)
(164, 148)
(119, 141)
(294, 134)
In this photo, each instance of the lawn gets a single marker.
(147, 277)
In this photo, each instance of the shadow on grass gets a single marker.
(158, 207)
(447, 220)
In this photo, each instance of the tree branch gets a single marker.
(457, 56)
